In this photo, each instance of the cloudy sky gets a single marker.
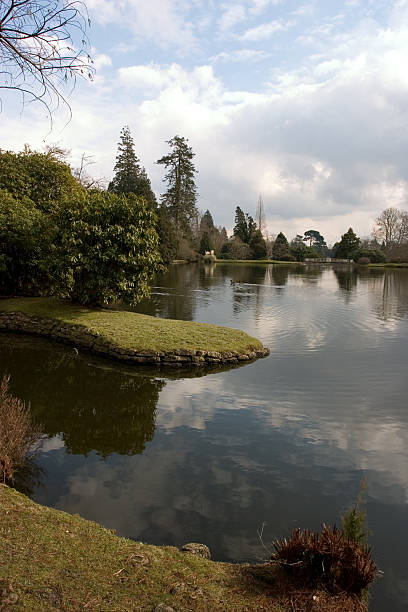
(305, 103)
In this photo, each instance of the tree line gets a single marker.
(63, 234)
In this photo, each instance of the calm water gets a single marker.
(172, 457)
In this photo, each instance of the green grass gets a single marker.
(51, 560)
(137, 331)
(388, 265)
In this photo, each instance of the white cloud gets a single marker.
(240, 55)
(231, 16)
(163, 21)
(265, 30)
(260, 6)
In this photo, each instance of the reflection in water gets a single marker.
(29, 477)
(98, 409)
(284, 440)
(280, 275)
(347, 279)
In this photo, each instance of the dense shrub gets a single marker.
(106, 249)
(47, 181)
(327, 559)
(363, 261)
(235, 249)
(287, 258)
(17, 432)
(21, 245)
(374, 255)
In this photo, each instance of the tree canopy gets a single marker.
(316, 241)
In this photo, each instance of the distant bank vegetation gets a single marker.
(63, 234)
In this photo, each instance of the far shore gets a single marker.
(296, 263)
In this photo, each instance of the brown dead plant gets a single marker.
(18, 434)
(328, 559)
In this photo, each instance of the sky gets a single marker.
(304, 103)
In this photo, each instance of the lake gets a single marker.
(174, 456)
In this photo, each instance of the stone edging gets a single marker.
(81, 336)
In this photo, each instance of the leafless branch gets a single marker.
(43, 45)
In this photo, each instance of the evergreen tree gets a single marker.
(168, 238)
(207, 222)
(258, 245)
(241, 226)
(181, 195)
(205, 243)
(281, 247)
(251, 225)
(130, 176)
(348, 244)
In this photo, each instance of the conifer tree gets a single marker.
(348, 244)
(130, 176)
(281, 247)
(205, 243)
(241, 226)
(258, 245)
(181, 195)
(207, 222)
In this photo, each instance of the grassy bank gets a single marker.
(51, 560)
(257, 261)
(136, 331)
(388, 265)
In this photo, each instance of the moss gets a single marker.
(137, 331)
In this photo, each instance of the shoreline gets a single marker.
(130, 337)
(55, 560)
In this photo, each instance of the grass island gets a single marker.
(127, 336)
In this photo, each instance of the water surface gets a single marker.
(169, 457)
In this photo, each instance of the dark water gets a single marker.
(171, 457)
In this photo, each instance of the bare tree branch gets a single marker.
(43, 44)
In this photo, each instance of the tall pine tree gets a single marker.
(130, 176)
(181, 195)
(241, 225)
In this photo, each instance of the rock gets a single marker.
(194, 548)
(163, 608)
(177, 588)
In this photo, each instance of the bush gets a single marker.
(287, 258)
(363, 261)
(374, 255)
(106, 249)
(17, 432)
(327, 559)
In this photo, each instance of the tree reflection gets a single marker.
(347, 280)
(392, 296)
(280, 275)
(100, 408)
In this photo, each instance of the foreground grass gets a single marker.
(52, 560)
(137, 331)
